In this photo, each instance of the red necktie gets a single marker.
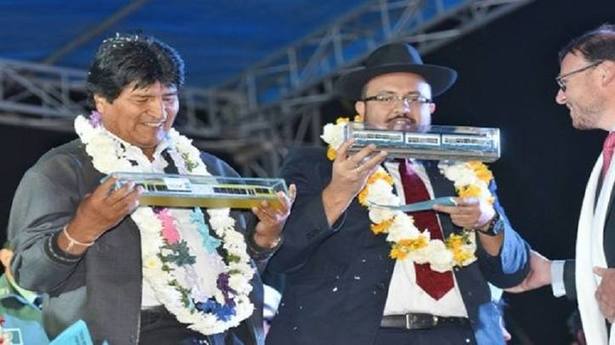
(436, 284)
(607, 152)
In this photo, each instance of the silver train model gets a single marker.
(430, 142)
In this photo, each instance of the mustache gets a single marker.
(402, 117)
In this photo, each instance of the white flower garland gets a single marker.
(171, 286)
(471, 179)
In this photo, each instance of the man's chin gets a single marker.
(581, 125)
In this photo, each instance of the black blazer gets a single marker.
(338, 277)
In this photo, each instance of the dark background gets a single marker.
(506, 80)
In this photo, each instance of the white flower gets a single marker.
(440, 258)
(333, 135)
(379, 191)
(152, 262)
(378, 215)
(402, 228)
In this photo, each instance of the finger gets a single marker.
(373, 162)
(446, 209)
(467, 201)
(285, 203)
(466, 219)
(128, 203)
(266, 208)
(261, 215)
(292, 193)
(363, 154)
(120, 194)
(342, 151)
(600, 271)
(103, 190)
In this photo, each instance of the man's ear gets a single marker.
(432, 107)
(359, 106)
(608, 73)
(100, 103)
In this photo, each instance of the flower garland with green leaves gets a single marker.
(202, 288)
(471, 179)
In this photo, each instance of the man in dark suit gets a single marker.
(136, 274)
(342, 287)
(587, 88)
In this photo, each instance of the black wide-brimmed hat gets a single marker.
(391, 58)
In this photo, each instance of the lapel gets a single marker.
(171, 168)
(609, 233)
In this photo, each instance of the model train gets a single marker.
(203, 191)
(431, 142)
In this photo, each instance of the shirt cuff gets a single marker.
(53, 250)
(557, 278)
(258, 253)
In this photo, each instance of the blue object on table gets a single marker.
(76, 334)
(421, 205)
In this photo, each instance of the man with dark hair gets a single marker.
(135, 274)
(425, 280)
(587, 88)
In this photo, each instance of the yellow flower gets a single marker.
(380, 175)
(382, 227)
(331, 153)
(363, 196)
(455, 243)
(469, 191)
(402, 248)
(461, 255)
(397, 253)
(482, 172)
(358, 118)
(418, 243)
(342, 120)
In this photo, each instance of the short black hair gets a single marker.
(132, 58)
(594, 45)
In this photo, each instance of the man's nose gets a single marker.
(157, 109)
(403, 105)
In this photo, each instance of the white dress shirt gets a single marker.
(148, 298)
(405, 296)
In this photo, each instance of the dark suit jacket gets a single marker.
(103, 287)
(338, 277)
(609, 251)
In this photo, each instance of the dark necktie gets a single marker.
(607, 152)
(435, 284)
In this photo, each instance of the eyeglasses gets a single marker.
(390, 99)
(561, 81)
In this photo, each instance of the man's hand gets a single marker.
(272, 219)
(605, 294)
(469, 213)
(474, 213)
(539, 275)
(100, 211)
(349, 176)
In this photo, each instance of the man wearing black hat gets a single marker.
(343, 285)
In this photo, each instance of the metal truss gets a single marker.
(50, 97)
(275, 103)
(287, 89)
